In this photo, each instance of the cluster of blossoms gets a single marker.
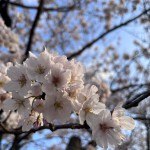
(48, 88)
(3, 80)
(8, 38)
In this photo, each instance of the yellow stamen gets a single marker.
(22, 81)
(40, 69)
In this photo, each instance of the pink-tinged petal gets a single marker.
(11, 86)
(9, 104)
(90, 119)
(63, 115)
(13, 72)
(105, 115)
(127, 122)
(112, 139)
(95, 132)
(98, 107)
(82, 116)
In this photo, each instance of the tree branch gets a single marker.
(59, 9)
(49, 126)
(75, 54)
(15, 144)
(37, 17)
(136, 100)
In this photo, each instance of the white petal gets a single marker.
(127, 122)
(98, 107)
(9, 104)
(105, 115)
(12, 86)
(82, 116)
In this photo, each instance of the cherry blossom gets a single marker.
(38, 105)
(87, 92)
(38, 67)
(123, 121)
(19, 80)
(22, 105)
(29, 121)
(57, 107)
(57, 78)
(90, 106)
(36, 89)
(105, 131)
(77, 72)
(49, 88)
(71, 93)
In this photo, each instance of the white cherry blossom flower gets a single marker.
(56, 88)
(90, 106)
(36, 89)
(22, 105)
(71, 93)
(38, 105)
(19, 80)
(58, 78)
(87, 92)
(105, 131)
(38, 67)
(57, 107)
(28, 122)
(77, 72)
(123, 121)
(60, 59)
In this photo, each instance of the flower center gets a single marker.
(72, 94)
(72, 80)
(58, 105)
(20, 103)
(55, 80)
(87, 110)
(104, 127)
(1, 83)
(22, 81)
(40, 69)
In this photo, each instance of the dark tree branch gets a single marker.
(7, 117)
(141, 118)
(136, 100)
(75, 54)
(37, 17)
(59, 9)
(4, 12)
(15, 144)
(50, 127)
